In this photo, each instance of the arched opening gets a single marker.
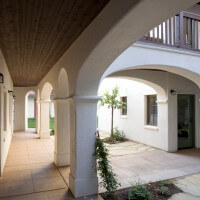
(30, 111)
(175, 95)
(62, 121)
(62, 90)
(143, 113)
(52, 115)
(47, 111)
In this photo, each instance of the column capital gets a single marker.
(86, 99)
(62, 100)
(43, 101)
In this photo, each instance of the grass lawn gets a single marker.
(51, 122)
(31, 123)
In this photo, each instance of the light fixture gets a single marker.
(172, 92)
(14, 97)
(1, 78)
(10, 91)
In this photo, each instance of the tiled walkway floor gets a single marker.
(30, 170)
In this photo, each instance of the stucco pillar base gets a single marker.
(83, 187)
(45, 134)
(62, 132)
(62, 159)
(83, 174)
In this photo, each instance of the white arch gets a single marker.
(62, 89)
(26, 107)
(140, 56)
(118, 34)
(46, 91)
(156, 79)
(161, 93)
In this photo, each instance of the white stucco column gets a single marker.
(62, 132)
(83, 175)
(38, 117)
(44, 119)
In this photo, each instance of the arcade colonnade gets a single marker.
(75, 120)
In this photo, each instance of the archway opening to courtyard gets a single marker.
(46, 111)
(150, 124)
(141, 114)
(30, 111)
(52, 115)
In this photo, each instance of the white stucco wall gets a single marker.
(6, 127)
(164, 136)
(134, 124)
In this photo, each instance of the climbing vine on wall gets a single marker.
(108, 177)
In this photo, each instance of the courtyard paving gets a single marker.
(190, 185)
(133, 162)
(30, 173)
(136, 162)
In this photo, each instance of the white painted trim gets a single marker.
(56, 100)
(155, 128)
(123, 116)
(43, 101)
(164, 48)
(160, 101)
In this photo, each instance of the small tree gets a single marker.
(111, 100)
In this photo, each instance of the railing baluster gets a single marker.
(193, 33)
(166, 33)
(174, 30)
(153, 33)
(162, 38)
(182, 30)
(197, 34)
(189, 31)
(158, 34)
(170, 32)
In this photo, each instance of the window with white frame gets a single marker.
(124, 110)
(152, 110)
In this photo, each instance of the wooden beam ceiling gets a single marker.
(34, 34)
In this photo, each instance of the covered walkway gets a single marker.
(30, 170)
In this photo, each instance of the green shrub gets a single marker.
(138, 192)
(163, 191)
(118, 135)
(165, 183)
(104, 168)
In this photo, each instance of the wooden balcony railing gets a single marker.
(181, 31)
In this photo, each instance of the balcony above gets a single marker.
(181, 31)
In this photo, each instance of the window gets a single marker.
(124, 110)
(152, 110)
